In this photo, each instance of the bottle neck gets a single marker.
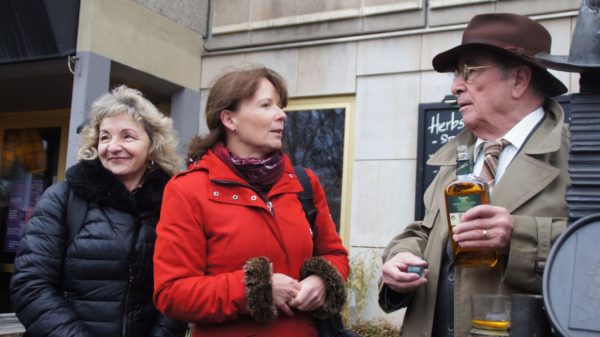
(463, 167)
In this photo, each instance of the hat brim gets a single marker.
(561, 62)
(446, 62)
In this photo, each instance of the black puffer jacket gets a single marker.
(102, 283)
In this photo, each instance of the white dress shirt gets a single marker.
(516, 137)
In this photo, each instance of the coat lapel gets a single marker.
(530, 175)
(526, 171)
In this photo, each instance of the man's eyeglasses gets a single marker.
(466, 71)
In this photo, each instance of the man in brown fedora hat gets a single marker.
(503, 95)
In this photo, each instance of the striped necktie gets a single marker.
(491, 152)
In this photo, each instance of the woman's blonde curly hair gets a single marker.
(163, 138)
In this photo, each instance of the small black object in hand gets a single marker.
(416, 270)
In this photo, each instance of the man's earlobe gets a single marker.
(521, 80)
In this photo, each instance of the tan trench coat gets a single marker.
(532, 189)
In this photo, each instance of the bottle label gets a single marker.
(459, 204)
(463, 167)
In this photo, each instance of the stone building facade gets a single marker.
(370, 59)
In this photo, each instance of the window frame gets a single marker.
(40, 119)
(34, 120)
(348, 103)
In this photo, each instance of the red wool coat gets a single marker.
(212, 223)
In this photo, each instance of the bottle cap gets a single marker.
(461, 152)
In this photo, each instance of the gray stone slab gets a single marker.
(10, 326)
(394, 21)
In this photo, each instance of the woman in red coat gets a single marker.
(235, 254)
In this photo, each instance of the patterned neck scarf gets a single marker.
(261, 174)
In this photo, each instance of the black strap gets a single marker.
(306, 196)
(76, 210)
(332, 326)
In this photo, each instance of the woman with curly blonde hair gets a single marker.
(163, 141)
(84, 265)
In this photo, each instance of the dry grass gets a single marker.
(375, 329)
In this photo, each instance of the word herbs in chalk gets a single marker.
(444, 130)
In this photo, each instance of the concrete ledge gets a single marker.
(10, 326)
(317, 17)
(135, 36)
(433, 4)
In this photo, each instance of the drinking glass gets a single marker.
(490, 312)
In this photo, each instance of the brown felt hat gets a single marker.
(509, 34)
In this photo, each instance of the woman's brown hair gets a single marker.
(226, 94)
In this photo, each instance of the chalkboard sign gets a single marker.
(438, 124)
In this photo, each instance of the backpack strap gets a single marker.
(76, 210)
(306, 197)
(334, 325)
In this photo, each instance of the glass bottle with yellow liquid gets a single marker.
(462, 194)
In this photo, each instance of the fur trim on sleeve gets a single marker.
(259, 293)
(334, 284)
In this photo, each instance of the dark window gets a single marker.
(315, 140)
